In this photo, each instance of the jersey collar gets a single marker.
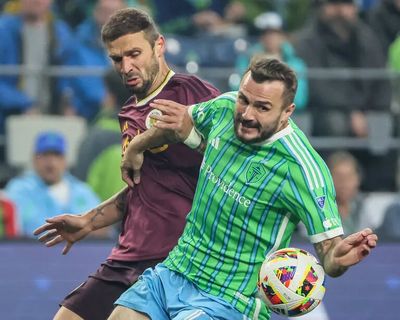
(280, 134)
(153, 94)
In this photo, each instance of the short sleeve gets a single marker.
(204, 114)
(313, 203)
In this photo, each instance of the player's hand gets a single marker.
(66, 227)
(175, 118)
(131, 165)
(355, 247)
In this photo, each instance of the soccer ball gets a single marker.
(291, 282)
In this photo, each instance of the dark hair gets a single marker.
(263, 69)
(129, 20)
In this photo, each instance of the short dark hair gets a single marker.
(127, 21)
(263, 69)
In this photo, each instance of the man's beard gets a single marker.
(340, 28)
(143, 91)
(264, 133)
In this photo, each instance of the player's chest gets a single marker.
(137, 120)
(254, 174)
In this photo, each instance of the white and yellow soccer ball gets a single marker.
(291, 282)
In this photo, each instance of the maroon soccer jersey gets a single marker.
(157, 207)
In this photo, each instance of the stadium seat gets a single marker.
(380, 130)
(390, 227)
(374, 208)
(21, 131)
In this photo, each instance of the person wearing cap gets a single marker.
(337, 40)
(49, 187)
(273, 42)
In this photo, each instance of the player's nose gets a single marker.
(248, 113)
(126, 66)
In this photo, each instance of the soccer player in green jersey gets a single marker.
(259, 178)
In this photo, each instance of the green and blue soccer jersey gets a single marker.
(248, 201)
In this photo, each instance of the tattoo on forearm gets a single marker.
(322, 249)
(119, 202)
(98, 212)
(325, 251)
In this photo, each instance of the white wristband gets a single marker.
(194, 139)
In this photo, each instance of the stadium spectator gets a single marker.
(259, 178)
(273, 42)
(49, 187)
(218, 17)
(187, 17)
(88, 92)
(35, 39)
(346, 175)
(337, 38)
(384, 19)
(153, 214)
(100, 151)
(73, 12)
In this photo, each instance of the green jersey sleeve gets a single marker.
(206, 114)
(313, 201)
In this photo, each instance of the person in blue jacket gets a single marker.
(273, 41)
(32, 38)
(89, 92)
(49, 187)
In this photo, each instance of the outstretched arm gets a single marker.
(338, 254)
(72, 228)
(174, 125)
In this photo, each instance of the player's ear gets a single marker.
(288, 111)
(159, 46)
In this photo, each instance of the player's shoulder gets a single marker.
(183, 78)
(300, 154)
(230, 96)
(226, 100)
(192, 83)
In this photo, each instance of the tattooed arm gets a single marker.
(72, 228)
(337, 254)
(108, 212)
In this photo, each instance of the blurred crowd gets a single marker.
(346, 54)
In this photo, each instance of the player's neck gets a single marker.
(160, 78)
(282, 126)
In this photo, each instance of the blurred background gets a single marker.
(57, 88)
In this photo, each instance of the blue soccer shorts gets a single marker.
(165, 294)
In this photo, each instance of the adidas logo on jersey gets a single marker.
(215, 143)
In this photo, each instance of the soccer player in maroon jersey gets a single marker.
(153, 213)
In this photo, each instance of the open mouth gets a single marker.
(134, 81)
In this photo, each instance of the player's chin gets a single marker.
(134, 87)
(248, 135)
